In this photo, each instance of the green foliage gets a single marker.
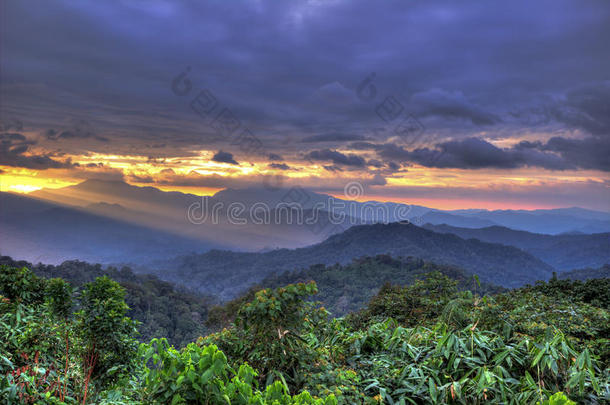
(108, 335)
(272, 332)
(59, 297)
(19, 284)
(202, 375)
(221, 316)
(32, 353)
(428, 342)
(465, 366)
(557, 399)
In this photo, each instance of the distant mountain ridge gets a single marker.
(550, 221)
(563, 252)
(153, 201)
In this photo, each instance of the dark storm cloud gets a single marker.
(224, 157)
(293, 67)
(393, 166)
(13, 147)
(474, 153)
(337, 158)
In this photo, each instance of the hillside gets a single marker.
(227, 274)
(563, 252)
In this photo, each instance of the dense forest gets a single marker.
(161, 308)
(431, 341)
(347, 288)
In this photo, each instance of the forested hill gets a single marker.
(228, 274)
(347, 288)
(163, 308)
(587, 274)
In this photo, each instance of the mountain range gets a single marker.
(227, 273)
(113, 222)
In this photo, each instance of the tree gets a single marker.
(109, 344)
(20, 284)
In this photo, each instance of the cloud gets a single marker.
(338, 158)
(99, 172)
(587, 107)
(80, 130)
(11, 125)
(393, 166)
(274, 157)
(13, 149)
(592, 194)
(377, 180)
(224, 157)
(557, 153)
(279, 166)
(333, 137)
(453, 105)
(195, 179)
(475, 153)
(443, 70)
(589, 153)
(332, 168)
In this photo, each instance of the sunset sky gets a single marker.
(446, 104)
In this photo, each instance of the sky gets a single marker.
(470, 104)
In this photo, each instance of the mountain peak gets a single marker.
(99, 184)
